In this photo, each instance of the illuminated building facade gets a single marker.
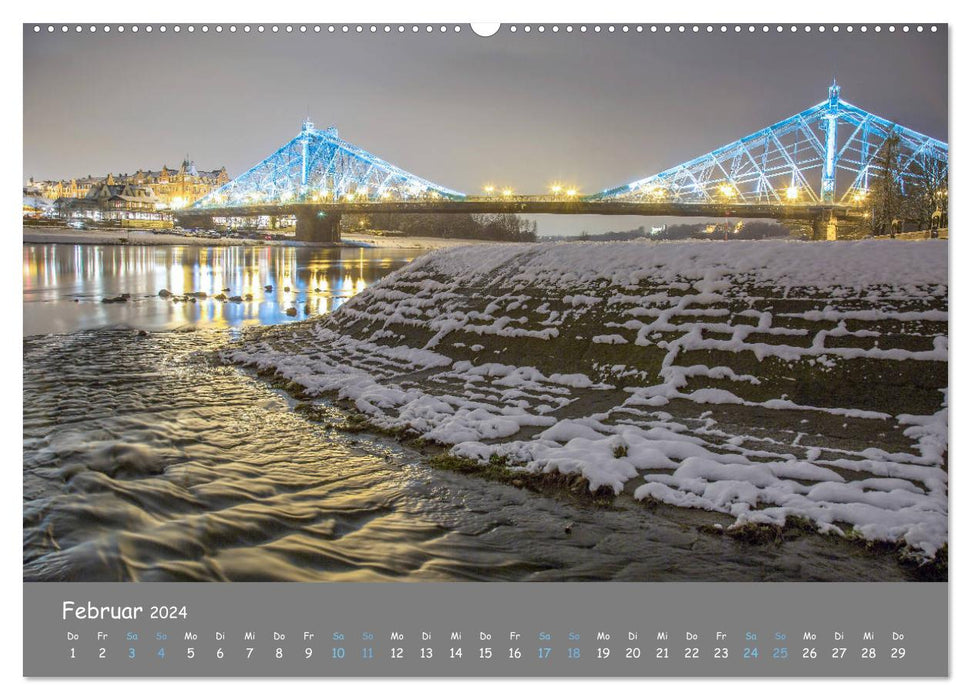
(172, 188)
(110, 202)
(176, 189)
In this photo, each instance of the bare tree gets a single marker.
(926, 200)
(887, 197)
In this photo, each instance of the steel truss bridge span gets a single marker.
(814, 166)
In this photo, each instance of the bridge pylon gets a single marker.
(824, 226)
(316, 226)
(319, 167)
(825, 155)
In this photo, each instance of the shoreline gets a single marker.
(739, 398)
(45, 234)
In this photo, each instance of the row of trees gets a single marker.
(915, 191)
(722, 231)
(737, 231)
(492, 227)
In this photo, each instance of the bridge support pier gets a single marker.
(318, 227)
(194, 221)
(824, 227)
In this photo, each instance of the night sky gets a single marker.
(519, 110)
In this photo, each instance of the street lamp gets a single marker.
(489, 189)
(507, 192)
(726, 190)
(792, 192)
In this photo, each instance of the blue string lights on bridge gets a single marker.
(829, 154)
(319, 166)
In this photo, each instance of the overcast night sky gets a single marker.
(523, 110)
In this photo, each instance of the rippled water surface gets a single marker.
(65, 285)
(144, 459)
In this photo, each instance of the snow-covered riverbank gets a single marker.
(762, 380)
(370, 239)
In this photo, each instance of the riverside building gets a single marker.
(145, 195)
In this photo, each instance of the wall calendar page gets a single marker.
(595, 350)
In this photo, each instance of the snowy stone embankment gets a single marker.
(763, 380)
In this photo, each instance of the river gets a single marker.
(147, 459)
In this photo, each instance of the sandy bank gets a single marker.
(419, 243)
(133, 237)
(39, 234)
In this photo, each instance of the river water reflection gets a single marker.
(70, 281)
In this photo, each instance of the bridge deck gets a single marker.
(537, 205)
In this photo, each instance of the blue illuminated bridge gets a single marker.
(814, 166)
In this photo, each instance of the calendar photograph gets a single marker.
(506, 303)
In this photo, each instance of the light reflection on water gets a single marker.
(71, 281)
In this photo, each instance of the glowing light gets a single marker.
(571, 192)
(792, 192)
(507, 192)
(489, 189)
(178, 202)
(556, 189)
(860, 195)
(760, 157)
(726, 190)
